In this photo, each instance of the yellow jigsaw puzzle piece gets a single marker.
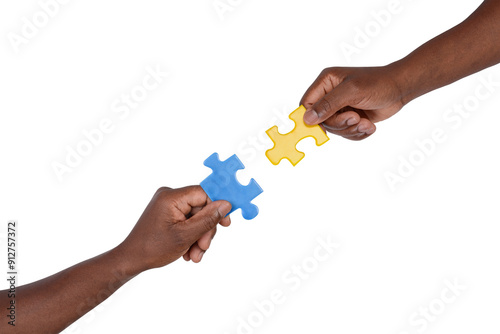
(284, 145)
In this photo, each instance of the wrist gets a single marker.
(400, 73)
(125, 262)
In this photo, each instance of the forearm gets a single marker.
(161, 236)
(465, 49)
(53, 303)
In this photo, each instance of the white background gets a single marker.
(227, 79)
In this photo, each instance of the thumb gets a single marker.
(207, 218)
(336, 99)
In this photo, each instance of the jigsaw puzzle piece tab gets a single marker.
(282, 148)
(223, 185)
(285, 145)
(243, 200)
(229, 166)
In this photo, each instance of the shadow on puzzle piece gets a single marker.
(284, 145)
(223, 185)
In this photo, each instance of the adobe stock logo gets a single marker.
(364, 35)
(253, 145)
(453, 118)
(422, 319)
(122, 106)
(31, 27)
(292, 279)
(222, 7)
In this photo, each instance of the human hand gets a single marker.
(196, 251)
(177, 222)
(347, 101)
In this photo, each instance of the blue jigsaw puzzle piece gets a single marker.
(223, 185)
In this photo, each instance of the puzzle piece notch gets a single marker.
(285, 145)
(222, 184)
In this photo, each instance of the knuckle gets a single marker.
(162, 193)
(325, 72)
(355, 85)
(323, 107)
(331, 74)
(217, 216)
(209, 220)
(207, 223)
(163, 190)
(328, 71)
(326, 75)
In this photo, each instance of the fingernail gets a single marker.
(311, 117)
(201, 256)
(370, 131)
(366, 129)
(363, 128)
(224, 208)
(351, 121)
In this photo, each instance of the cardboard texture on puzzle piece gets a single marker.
(285, 145)
(222, 184)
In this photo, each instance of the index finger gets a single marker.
(188, 198)
(316, 98)
(318, 89)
